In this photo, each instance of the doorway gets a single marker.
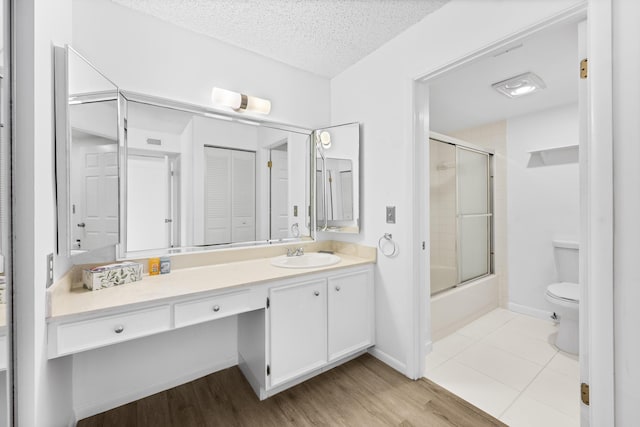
(588, 190)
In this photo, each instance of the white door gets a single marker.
(350, 313)
(95, 220)
(243, 196)
(279, 194)
(298, 330)
(148, 202)
(217, 192)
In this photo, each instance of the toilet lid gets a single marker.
(564, 290)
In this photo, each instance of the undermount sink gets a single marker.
(309, 260)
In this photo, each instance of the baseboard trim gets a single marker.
(90, 410)
(530, 311)
(388, 360)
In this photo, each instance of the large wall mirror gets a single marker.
(338, 178)
(144, 176)
(199, 180)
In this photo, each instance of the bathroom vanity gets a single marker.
(293, 323)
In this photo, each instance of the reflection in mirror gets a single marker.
(87, 144)
(197, 180)
(337, 178)
(5, 223)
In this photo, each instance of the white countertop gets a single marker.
(184, 282)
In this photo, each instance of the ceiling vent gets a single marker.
(521, 85)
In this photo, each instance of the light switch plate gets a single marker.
(391, 214)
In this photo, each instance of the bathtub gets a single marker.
(454, 308)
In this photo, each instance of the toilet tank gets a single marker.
(565, 254)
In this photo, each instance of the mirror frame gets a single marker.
(63, 142)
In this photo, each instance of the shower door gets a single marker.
(460, 215)
(474, 214)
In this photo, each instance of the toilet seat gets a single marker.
(564, 292)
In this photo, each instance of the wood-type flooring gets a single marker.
(363, 392)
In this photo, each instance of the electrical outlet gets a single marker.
(391, 214)
(49, 270)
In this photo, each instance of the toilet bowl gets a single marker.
(565, 297)
(565, 294)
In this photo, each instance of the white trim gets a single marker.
(421, 260)
(124, 398)
(529, 311)
(597, 218)
(575, 12)
(385, 358)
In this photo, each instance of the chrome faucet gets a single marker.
(295, 252)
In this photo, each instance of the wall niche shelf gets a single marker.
(553, 156)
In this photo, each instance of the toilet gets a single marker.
(565, 295)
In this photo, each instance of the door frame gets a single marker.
(596, 169)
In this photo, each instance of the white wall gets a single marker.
(143, 54)
(626, 134)
(543, 204)
(377, 91)
(43, 387)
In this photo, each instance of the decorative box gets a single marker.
(107, 276)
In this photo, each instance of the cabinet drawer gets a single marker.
(93, 333)
(216, 307)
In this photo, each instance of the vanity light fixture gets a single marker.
(520, 85)
(239, 101)
(324, 138)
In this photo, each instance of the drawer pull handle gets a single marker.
(216, 308)
(118, 329)
(338, 288)
(316, 293)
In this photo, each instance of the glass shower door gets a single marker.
(474, 214)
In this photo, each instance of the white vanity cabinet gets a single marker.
(298, 329)
(350, 313)
(309, 327)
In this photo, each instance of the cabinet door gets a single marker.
(298, 330)
(350, 313)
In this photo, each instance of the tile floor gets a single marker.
(505, 364)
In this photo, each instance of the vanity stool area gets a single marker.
(293, 323)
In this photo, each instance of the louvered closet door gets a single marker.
(217, 189)
(243, 196)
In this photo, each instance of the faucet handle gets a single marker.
(290, 252)
(300, 251)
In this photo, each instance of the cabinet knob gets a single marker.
(118, 329)
(316, 293)
(338, 288)
(216, 308)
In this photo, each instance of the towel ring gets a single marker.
(388, 238)
(295, 229)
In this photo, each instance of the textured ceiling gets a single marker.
(321, 36)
